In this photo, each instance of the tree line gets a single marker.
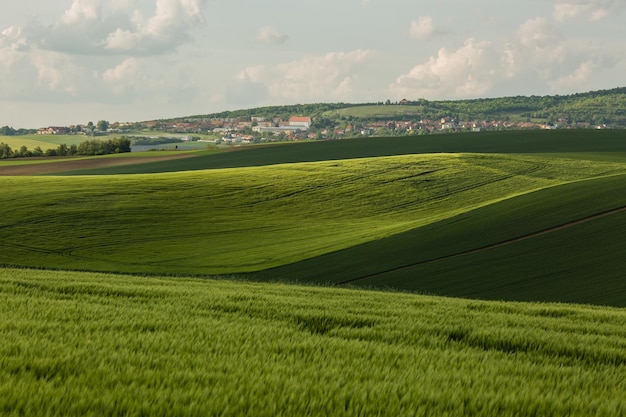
(596, 107)
(88, 147)
(9, 131)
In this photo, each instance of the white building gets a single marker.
(302, 122)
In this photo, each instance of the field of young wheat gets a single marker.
(249, 219)
(85, 344)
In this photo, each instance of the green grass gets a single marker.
(387, 214)
(396, 221)
(454, 256)
(30, 141)
(249, 219)
(44, 141)
(82, 344)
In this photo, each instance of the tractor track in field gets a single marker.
(491, 246)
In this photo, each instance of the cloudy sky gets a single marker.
(73, 61)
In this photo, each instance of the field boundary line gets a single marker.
(492, 245)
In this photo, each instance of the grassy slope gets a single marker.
(248, 219)
(232, 221)
(581, 263)
(15, 142)
(44, 141)
(77, 344)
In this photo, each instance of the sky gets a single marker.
(74, 61)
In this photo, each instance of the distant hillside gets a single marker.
(596, 107)
(593, 108)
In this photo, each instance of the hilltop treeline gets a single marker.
(88, 147)
(595, 107)
(9, 131)
(282, 112)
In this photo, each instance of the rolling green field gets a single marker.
(428, 219)
(562, 244)
(82, 344)
(197, 329)
(250, 219)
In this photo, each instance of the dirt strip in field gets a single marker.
(492, 246)
(83, 163)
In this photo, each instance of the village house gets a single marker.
(52, 130)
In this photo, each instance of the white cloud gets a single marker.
(270, 35)
(422, 28)
(12, 44)
(573, 81)
(44, 74)
(80, 11)
(536, 57)
(593, 10)
(318, 77)
(121, 71)
(541, 52)
(167, 29)
(28, 71)
(468, 71)
(119, 27)
(122, 77)
(564, 11)
(332, 76)
(142, 55)
(538, 34)
(251, 74)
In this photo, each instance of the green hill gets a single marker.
(594, 107)
(80, 344)
(377, 221)
(558, 244)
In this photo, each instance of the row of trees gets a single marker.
(9, 131)
(89, 147)
(104, 147)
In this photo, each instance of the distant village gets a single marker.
(260, 129)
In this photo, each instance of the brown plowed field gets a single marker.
(83, 163)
